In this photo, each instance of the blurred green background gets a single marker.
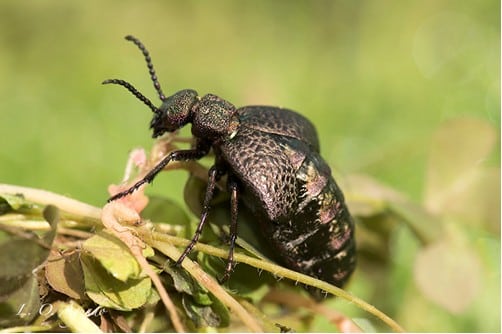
(377, 78)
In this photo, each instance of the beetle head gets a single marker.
(175, 112)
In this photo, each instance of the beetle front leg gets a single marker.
(181, 155)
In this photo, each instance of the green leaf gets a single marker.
(245, 280)
(162, 209)
(19, 257)
(203, 316)
(51, 215)
(113, 255)
(17, 203)
(104, 289)
(21, 252)
(10, 202)
(183, 282)
(22, 305)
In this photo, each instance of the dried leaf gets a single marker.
(65, 275)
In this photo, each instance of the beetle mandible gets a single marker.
(273, 165)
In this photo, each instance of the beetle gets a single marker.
(272, 160)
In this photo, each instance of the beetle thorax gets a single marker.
(213, 118)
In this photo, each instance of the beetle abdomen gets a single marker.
(318, 238)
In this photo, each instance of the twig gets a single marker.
(64, 203)
(204, 279)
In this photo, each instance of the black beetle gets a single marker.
(273, 166)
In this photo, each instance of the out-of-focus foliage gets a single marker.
(437, 262)
(406, 93)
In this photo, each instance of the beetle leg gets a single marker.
(180, 155)
(211, 184)
(234, 192)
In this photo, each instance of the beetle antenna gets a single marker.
(149, 63)
(133, 90)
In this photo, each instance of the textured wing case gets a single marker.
(289, 188)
